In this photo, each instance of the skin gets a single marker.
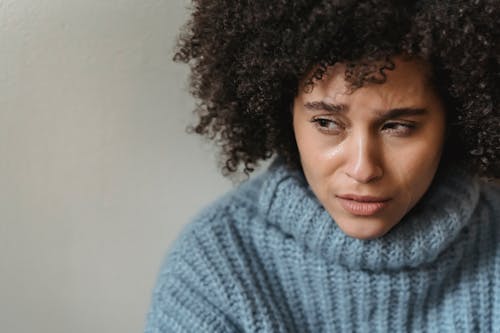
(351, 143)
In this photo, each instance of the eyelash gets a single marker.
(394, 128)
(322, 125)
(404, 128)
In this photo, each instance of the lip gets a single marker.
(362, 205)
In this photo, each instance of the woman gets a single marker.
(375, 216)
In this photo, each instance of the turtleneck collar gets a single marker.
(423, 234)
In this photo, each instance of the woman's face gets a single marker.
(370, 155)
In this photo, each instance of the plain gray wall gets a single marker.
(97, 175)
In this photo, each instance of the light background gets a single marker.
(97, 175)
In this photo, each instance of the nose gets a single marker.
(364, 160)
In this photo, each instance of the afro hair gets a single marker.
(247, 59)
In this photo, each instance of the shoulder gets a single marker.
(213, 232)
(236, 206)
(197, 278)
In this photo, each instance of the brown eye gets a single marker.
(326, 125)
(399, 128)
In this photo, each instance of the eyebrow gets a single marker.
(384, 115)
(402, 112)
(323, 106)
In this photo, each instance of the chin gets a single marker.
(365, 230)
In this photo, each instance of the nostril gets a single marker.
(365, 173)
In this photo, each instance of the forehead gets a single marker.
(407, 83)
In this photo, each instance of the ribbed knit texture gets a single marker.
(268, 258)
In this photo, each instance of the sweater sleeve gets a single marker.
(185, 298)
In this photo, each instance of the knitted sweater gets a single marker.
(267, 257)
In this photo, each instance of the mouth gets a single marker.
(362, 205)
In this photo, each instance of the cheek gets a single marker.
(419, 156)
(319, 159)
(415, 162)
(305, 143)
(415, 168)
(318, 156)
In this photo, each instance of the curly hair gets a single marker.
(247, 59)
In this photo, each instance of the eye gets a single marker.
(327, 125)
(399, 128)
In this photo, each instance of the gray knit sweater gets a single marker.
(268, 258)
